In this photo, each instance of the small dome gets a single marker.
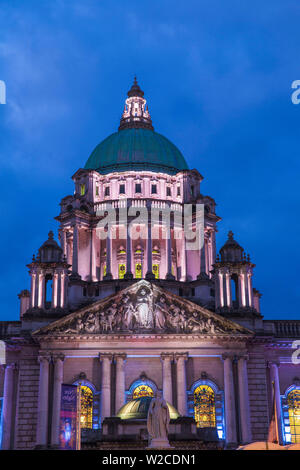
(50, 251)
(138, 409)
(136, 149)
(231, 251)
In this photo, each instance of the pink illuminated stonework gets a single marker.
(124, 305)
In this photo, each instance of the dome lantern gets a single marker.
(135, 114)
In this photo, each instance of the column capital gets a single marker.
(178, 356)
(167, 356)
(103, 356)
(58, 357)
(273, 363)
(120, 356)
(244, 356)
(11, 366)
(43, 357)
(230, 356)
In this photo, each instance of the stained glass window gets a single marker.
(138, 271)
(82, 189)
(155, 270)
(204, 407)
(293, 400)
(142, 391)
(122, 270)
(86, 407)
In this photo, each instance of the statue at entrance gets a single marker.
(158, 420)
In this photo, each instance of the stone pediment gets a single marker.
(143, 308)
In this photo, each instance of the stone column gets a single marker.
(62, 289)
(33, 290)
(57, 382)
(128, 274)
(41, 289)
(8, 405)
(120, 380)
(169, 275)
(149, 273)
(183, 258)
(228, 291)
(244, 400)
(64, 242)
(230, 415)
(167, 376)
(92, 257)
(181, 383)
(54, 290)
(108, 274)
(42, 416)
(105, 385)
(75, 251)
(274, 376)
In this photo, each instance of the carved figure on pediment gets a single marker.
(103, 323)
(195, 324)
(129, 316)
(144, 309)
(210, 326)
(110, 316)
(177, 318)
(91, 323)
(160, 313)
(79, 327)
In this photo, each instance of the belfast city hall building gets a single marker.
(123, 306)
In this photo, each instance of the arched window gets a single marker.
(293, 401)
(142, 387)
(142, 391)
(86, 407)
(204, 406)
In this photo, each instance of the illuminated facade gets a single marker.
(123, 313)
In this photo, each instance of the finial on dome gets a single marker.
(50, 235)
(135, 114)
(230, 235)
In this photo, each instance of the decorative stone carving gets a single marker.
(143, 308)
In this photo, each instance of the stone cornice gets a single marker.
(142, 337)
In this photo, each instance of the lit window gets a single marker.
(122, 270)
(155, 270)
(122, 189)
(142, 391)
(82, 189)
(204, 407)
(97, 190)
(104, 270)
(153, 189)
(138, 188)
(138, 271)
(86, 407)
(293, 400)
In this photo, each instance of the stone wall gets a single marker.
(27, 402)
(258, 395)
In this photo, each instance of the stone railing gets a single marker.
(9, 328)
(284, 328)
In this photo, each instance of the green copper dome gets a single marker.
(138, 409)
(136, 149)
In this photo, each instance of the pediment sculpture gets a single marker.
(144, 308)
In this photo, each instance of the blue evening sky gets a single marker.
(217, 75)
